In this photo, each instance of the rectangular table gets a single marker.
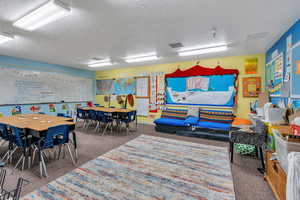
(39, 123)
(36, 122)
(111, 110)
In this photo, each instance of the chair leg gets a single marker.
(9, 154)
(262, 157)
(75, 145)
(231, 151)
(127, 128)
(59, 151)
(105, 129)
(33, 155)
(42, 165)
(71, 155)
(256, 151)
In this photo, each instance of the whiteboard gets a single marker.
(142, 106)
(142, 87)
(25, 87)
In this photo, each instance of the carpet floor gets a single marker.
(248, 182)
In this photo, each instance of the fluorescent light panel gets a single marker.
(141, 58)
(206, 50)
(5, 37)
(45, 14)
(100, 63)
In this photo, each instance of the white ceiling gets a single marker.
(120, 28)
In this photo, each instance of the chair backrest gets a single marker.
(81, 114)
(18, 138)
(92, 114)
(54, 132)
(130, 116)
(3, 131)
(100, 115)
(107, 117)
(61, 115)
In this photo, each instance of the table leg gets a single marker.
(75, 145)
(231, 151)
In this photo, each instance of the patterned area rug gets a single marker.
(148, 168)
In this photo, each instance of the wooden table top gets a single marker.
(37, 122)
(111, 110)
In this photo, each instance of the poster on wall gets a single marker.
(214, 90)
(105, 87)
(125, 86)
(250, 65)
(251, 86)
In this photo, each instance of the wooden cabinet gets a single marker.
(276, 177)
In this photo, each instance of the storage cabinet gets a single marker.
(276, 177)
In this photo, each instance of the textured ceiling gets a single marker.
(119, 28)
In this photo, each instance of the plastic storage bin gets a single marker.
(283, 148)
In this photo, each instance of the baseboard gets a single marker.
(148, 123)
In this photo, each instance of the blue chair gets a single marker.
(55, 136)
(92, 117)
(127, 118)
(83, 115)
(5, 137)
(61, 115)
(107, 119)
(99, 116)
(4, 132)
(19, 139)
(42, 113)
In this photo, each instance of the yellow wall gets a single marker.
(234, 62)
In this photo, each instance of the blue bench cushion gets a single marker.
(190, 120)
(213, 125)
(171, 122)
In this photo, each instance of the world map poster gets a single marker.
(122, 86)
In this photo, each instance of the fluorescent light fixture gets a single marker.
(203, 50)
(4, 37)
(100, 63)
(141, 58)
(45, 14)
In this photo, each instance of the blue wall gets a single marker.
(293, 85)
(24, 64)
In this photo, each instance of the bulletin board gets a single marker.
(142, 87)
(274, 75)
(295, 75)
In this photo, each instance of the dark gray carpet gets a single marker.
(249, 183)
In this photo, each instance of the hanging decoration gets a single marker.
(35, 108)
(16, 110)
(52, 108)
(130, 100)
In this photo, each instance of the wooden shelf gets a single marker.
(276, 177)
